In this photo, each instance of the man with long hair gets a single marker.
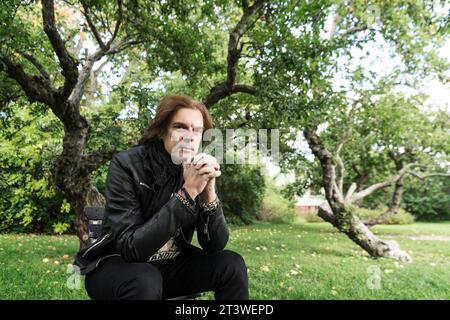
(157, 194)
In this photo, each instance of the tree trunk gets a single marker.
(72, 175)
(92, 198)
(348, 223)
(71, 172)
(339, 214)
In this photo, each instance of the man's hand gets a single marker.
(199, 176)
(209, 193)
(202, 161)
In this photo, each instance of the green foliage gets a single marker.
(241, 189)
(60, 228)
(276, 208)
(30, 202)
(429, 200)
(312, 217)
(401, 217)
(285, 56)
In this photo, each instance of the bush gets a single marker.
(241, 190)
(276, 208)
(30, 202)
(313, 217)
(429, 200)
(401, 217)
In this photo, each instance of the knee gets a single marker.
(144, 283)
(234, 262)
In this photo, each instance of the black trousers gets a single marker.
(192, 271)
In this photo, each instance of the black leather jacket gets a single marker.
(141, 214)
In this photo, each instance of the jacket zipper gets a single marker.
(145, 185)
(111, 255)
(96, 244)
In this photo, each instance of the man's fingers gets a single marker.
(204, 158)
(213, 175)
(197, 157)
(206, 170)
(188, 161)
(206, 162)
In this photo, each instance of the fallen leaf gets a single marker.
(264, 269)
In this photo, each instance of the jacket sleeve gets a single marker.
(137, 240)
(212, 229)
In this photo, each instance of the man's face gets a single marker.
(184, 135)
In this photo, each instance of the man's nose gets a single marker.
(189, 136)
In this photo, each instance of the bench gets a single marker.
(95, 216)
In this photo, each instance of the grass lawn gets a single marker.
(296, 261)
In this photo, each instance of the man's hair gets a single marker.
(165, 111)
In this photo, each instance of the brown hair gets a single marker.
(165, 111)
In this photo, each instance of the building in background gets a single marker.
(308, 204)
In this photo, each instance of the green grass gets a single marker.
(285, 261)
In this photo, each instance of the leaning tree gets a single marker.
(295, 77)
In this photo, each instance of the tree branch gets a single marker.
(95, 160)
(86, 14)
(395, 204)
(426, 176)
(37, 64)
(83, 79)
(124, 44)
(352, 31)
(35, 88)
(66, 61)
(350, 191)
(118, 23)
(377, 186)
(222, 91)
(94, 82)
(79, 46)
(325, 158)
(228, 87)
(245, 5)
(327, 214)
(341, 172)
(334, 24)
(340, 163)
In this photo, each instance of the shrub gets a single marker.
(241, 190)
(401, 217)
(313, 217)
(30, 202)
(275, 207)
(429, 200)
